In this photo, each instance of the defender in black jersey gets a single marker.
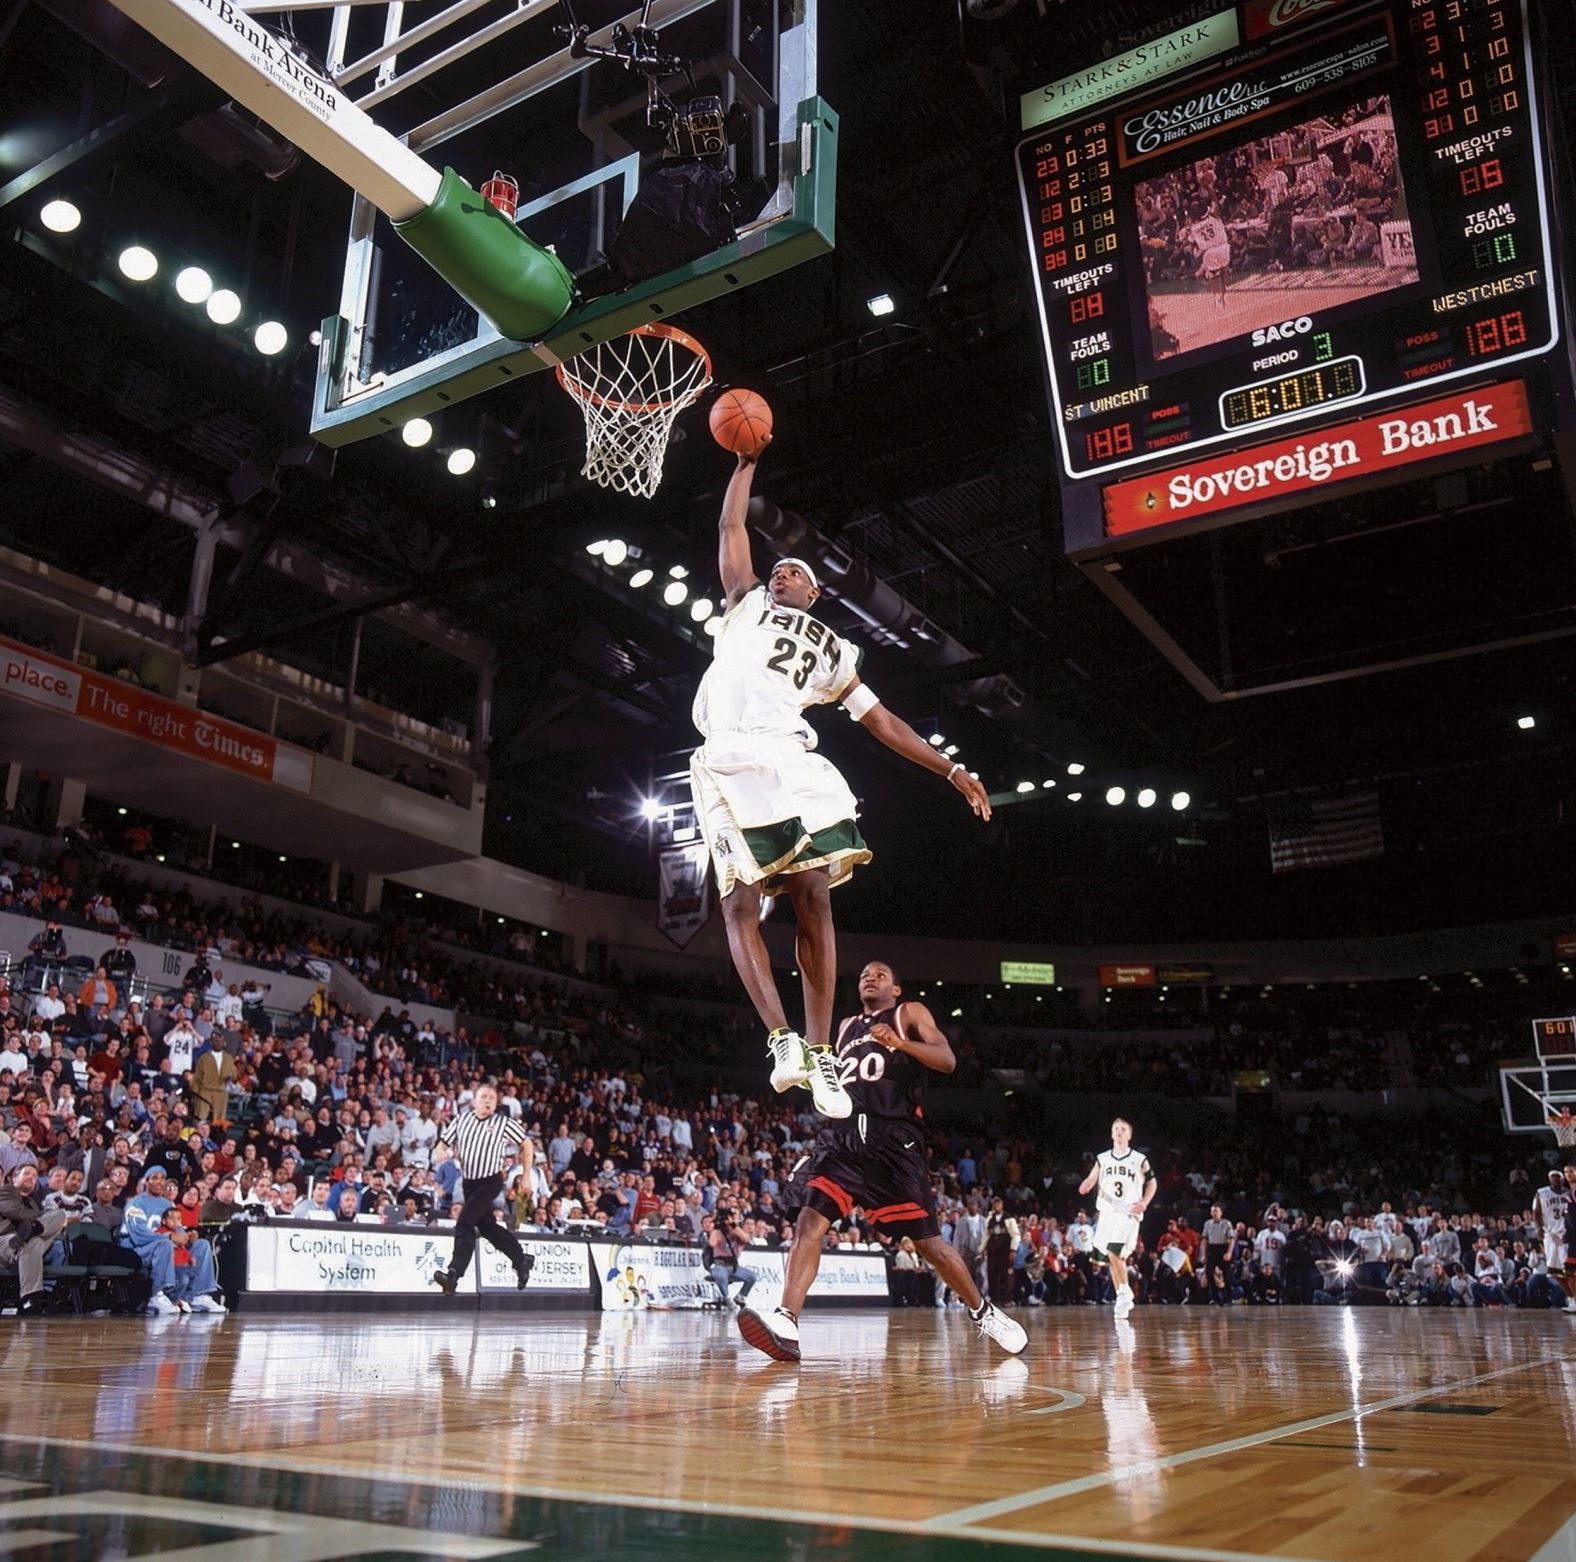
(874, 1159)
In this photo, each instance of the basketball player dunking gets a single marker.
(1126, 1186)
(876, 1161)
(777, 817)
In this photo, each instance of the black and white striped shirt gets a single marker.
(481, 1145)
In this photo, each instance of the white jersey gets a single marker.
(1122, 1180)
(1208, 233)
(1552, 1206)
(769, 664)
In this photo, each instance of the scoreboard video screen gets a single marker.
(1319, 220)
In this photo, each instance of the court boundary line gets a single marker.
(1040, 1540)
(999, 1507)
(1560, 1546)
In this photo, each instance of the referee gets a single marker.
(482, 1139)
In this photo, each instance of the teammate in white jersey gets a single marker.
(777, 817)
(1126, 1187)
(1548, 1210)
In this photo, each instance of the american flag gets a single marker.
(1325, 832)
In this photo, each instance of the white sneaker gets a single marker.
(160, 1303)
(1007, 1332)
(831, 1100)
(1124, 1304)
(208, 1304)
(776, 1333)
(1034, 1301)
(182, 1305)
(790, 1060)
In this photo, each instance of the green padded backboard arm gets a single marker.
(517, 286)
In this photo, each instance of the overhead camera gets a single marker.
(692, 203)
(696, 129)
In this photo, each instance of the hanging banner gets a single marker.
(683, 891)
(1127, 976)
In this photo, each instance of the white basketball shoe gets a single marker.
(1007, 1332)
(831, 1100)
(790, 1060)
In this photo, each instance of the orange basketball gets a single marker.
(741, 422)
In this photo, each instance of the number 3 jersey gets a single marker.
(1122, 1179)
(881, 1083)
(769, 664)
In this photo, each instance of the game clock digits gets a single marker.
(1348, 214)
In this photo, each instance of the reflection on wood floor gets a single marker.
(1307, 1433)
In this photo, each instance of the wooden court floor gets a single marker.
(1302, 1433)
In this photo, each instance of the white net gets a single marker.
(630, 390)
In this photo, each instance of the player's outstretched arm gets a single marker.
(1089, 1182)
(901, 738)
(733, 539)
(924, 1042)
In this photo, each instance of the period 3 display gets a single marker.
(1343, 214)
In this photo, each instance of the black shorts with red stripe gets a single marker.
(876, 1164)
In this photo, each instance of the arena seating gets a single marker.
(331, 1096)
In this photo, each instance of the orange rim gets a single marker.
(656, 328)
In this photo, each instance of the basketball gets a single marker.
(741, 422)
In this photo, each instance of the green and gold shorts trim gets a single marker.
(782, 849)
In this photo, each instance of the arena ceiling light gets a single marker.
(616, 551)
(270, 338)
(461, 461)
(700, 609)
(714, 625)
(1075, 797)
(138, 263)
(224, 307)
(1045, 786)
(641, 577)
(674, 592)
(649, 808)
(678, 572)
(193, 285)
(950, 750)
(60, 216)
(1180, 801)
(881, 305)
(1075, 769)
(936, 740)
(416, 433)
(1026, 786)
(1526, 723)
(1116, 796)
(1146, 798)
(597, 549)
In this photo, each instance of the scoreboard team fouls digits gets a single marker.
(1342, 214)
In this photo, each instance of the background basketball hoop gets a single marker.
(630, 390)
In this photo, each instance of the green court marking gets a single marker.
(566, 1530)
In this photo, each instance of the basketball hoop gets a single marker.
(630, 390)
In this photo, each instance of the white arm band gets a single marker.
(859, 702)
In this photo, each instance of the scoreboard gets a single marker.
(1321, 220)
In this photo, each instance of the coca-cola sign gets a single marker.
(1273, 16)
